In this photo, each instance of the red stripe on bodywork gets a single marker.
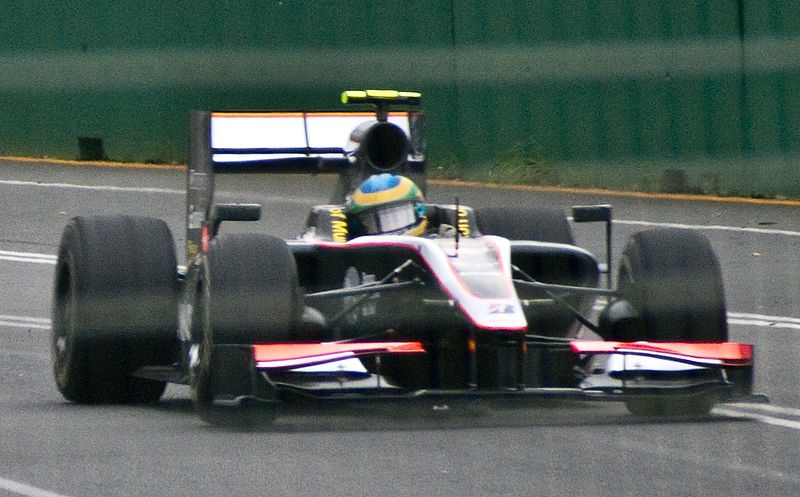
(289, 351)
(726, 351)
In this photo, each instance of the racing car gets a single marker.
(459, 305)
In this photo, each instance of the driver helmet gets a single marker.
(388, 204)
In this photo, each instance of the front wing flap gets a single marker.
(655, 368)
(290, 356)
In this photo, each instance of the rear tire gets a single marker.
(114, 308)
(540, 225)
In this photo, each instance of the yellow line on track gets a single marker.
(99, 163)
(472, 184)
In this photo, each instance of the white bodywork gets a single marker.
(475, 273)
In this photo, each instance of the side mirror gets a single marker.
(233, 212)
(591, 213)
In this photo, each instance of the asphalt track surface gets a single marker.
(51, 448)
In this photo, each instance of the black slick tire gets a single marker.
(673, 279)
(540, 225)
(251, 295)
(114, 308)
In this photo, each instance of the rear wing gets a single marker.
(283, 142)
(296, 141)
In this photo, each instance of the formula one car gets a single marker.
(461, 304)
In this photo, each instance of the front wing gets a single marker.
(334, 371)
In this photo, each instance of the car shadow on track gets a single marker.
(355, 417)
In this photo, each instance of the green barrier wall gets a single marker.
(690, 95)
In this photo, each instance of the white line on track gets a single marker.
(763, 321)
(171, 191)
(6, 255)
(764, 317)
(769, 408)
(25, 322)
(94, 187)
(26, 490)
(761, 418)
(760, 231)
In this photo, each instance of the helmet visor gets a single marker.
(389, 219)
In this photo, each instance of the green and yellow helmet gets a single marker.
(388, 204)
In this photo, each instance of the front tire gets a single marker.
(672, 278)
(251, 294)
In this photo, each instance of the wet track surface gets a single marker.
(53, 448)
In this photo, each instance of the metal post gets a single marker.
(199, 181)
(610, 273)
